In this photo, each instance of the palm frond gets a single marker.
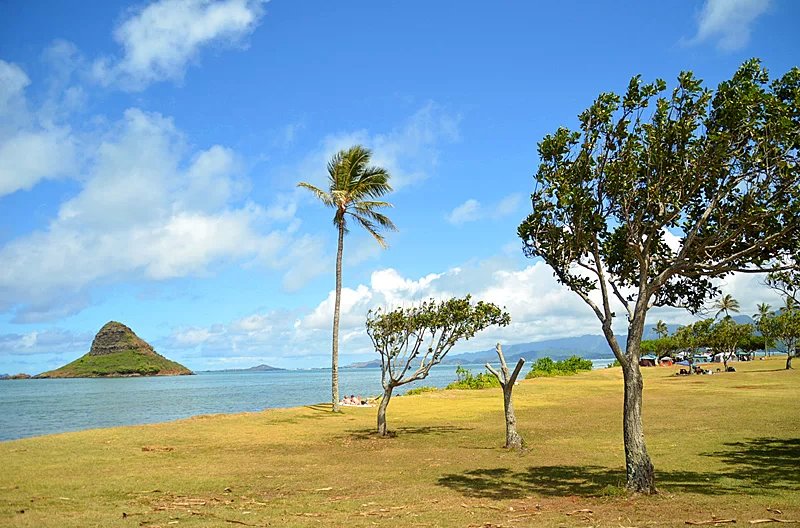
(371, 229)
(376, 218)
(321, 195)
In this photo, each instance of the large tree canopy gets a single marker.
(658, 193)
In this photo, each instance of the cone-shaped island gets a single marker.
(118, 352)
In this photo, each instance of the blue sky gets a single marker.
(149, 154)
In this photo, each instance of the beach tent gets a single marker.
(648, 360)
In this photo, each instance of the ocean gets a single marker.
(48, 406)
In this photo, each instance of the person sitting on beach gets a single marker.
(345, 401)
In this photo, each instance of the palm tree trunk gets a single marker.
(336, 310)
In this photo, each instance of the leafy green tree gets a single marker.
(726, 304)
(692, 337)
(423, 335)
(785, 327)
(662, 347)
(786, 282)
(354, 187)
(646, 203)
(726, 336)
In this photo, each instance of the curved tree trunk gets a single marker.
(639, 468)
(336, 311)
(789, 356)
(387, 395)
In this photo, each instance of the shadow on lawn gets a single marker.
(436, 430)
(770, 464)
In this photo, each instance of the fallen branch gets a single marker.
(584, 510)
(773, 519)
(713, 521)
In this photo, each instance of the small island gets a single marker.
(257, 368)
(117, 352)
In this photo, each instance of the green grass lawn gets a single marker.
(724, 446)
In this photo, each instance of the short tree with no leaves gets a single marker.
(507, 380)
(412, 340)
(658, 193)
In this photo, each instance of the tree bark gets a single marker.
(336, 313)
(507, 381)
(513, 438)
(638, 467)
(789, 357)
(387, 395)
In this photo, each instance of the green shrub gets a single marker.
(420, 390)
(466, 380)
(616, 363)
(546, 367)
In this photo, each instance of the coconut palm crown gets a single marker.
(354, 189)
(726, 304)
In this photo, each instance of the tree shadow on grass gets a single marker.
(772, 463)
(769, 464)
(436, 430)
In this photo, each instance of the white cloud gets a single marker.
(729, 22)
(32, 149)
(472, 210)
(160, 39)
(51, 341)
(29, 157)
(149, 207)
(468, 211)
(540, 309)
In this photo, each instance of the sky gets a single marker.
(150, 151)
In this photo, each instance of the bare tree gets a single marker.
(507, 380)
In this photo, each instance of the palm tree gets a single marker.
(354, 187)
(661, 329)
(726, 304)
(761, 318)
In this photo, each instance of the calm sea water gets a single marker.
(47, 406)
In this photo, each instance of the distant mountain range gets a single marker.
(586, 346)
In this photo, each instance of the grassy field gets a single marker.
(725, 446)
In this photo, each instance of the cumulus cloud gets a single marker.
(32, 149)
(160, 39)
(728, 22)
(540, 309)
(468, 211)
(472, 210)
(50, 341)
(149, 207)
